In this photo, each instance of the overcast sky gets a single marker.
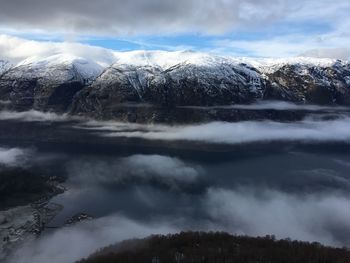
(267, 28)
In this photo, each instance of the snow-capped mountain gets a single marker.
(167, 80)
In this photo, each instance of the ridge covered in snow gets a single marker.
(66, 82)
(43, 67)
(270, 65)
(138, 69)
(164, 60)
(167, 59)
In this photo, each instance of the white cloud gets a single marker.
(17, 49)
(299, 39)
(290, 45)
(310, 217)
(164, 167)
(278, 105)
(73, 243)
(336, 53)
(313, 130)
(167, 17)
(13, 156)
(158, 17)
(36, 116)
(168, 171)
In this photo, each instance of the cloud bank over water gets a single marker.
(280, 106)
(307, 130)
(300, 195)
(33, 116)
(11, 157)
(73, 243)
(310, 217)
(168, 171)
(253, 212)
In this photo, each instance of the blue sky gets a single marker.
(191, 41)
(258, 28)
(197, 41)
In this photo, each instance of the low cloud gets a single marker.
(248, 211)
(35, 116)
(168, 171)
(308, 130)
(309, 217)
(276, 105)
(5, 102)
(234, 199)
(70, 244)
(14, 156)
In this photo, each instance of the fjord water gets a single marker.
(295, 189)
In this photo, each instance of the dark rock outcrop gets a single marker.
(311, 84)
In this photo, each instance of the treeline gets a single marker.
(217, 247)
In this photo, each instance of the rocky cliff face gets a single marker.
(181, 85)
(153, 91)
(311, 84)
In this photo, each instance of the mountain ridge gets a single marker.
(167, 80)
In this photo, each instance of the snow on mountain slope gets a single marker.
(4, 66)
(141, 66)
(90, 69)
(167, 59)
(228, 72)
(59, 67)
(270, 65)
(179, 64)
(162, 59)
(171, 79)
(47, 83)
